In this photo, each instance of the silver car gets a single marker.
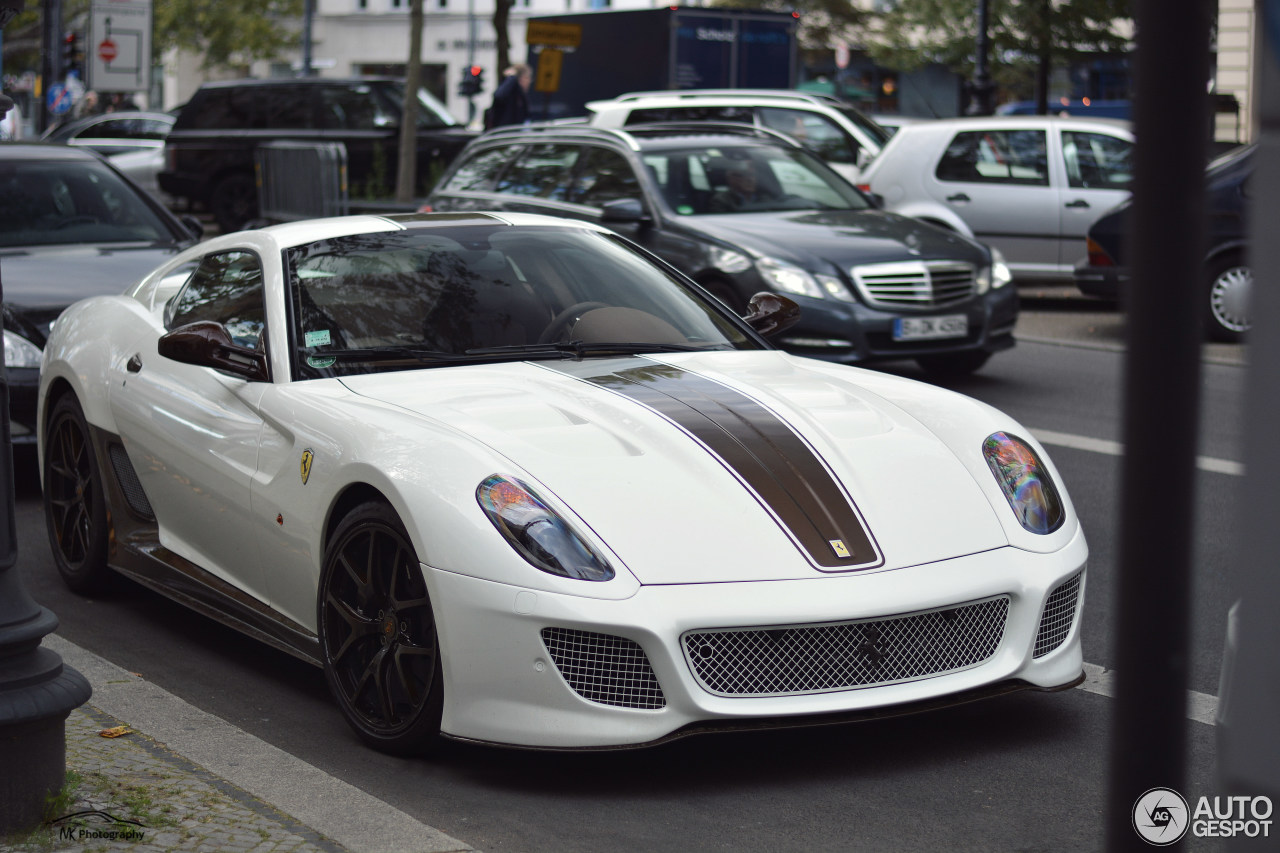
(1028, 185)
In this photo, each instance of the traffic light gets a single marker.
(72, 54)
(472, 82)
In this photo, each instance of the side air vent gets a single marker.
(604, 668)
(1058, 617)
(129, 483)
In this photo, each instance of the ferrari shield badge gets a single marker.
(837, 545)
(307, 456)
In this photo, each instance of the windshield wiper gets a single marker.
(582, 349)
(426, 356)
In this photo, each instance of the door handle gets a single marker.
(1078, 203)
(959, 197)
(134, 364)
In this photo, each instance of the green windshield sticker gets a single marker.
(320, 361)
(684, 210)
(317, 339)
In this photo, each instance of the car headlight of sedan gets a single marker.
(537, 533)
(995, 276)
(20, 352)
(786, 277)
(1025, 482)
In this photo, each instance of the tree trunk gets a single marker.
(501, 15)
(407, 168)
(1044, 53)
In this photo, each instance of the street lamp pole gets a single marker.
(36, 691)
(982, 89)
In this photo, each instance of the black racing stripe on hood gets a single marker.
(780, 467)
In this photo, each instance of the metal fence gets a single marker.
(301, 180)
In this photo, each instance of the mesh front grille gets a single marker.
(129, 483)
(1058, 617)
(915, 284)
(603, 668)
(838, 656)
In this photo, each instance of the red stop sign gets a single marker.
(106, 50)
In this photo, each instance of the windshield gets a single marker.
(431, 113)
(476, 293)
(749, 179)
(60, 203)
(869, 125)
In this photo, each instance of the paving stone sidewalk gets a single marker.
(132, 793)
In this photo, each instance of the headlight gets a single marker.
(20, 352)
(995, 276)
(1025, 482)
(538, 534)
(788, 278)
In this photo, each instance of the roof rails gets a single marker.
(629, 134)
(693, 94)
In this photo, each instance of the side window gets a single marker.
(353, 108)
(996, 157)
(287, 107)
(223, 109)
(693, 113)
(1097, 161)
(226, 289)
(818, 132)
(480, 172)
(541, 172)
(603, 175)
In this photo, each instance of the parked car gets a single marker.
(209, 154)
(133, 141)
(1228, 278)
(872, 285)
(835, 130)
(71, 226)
(1028, 185)
(509, 479)
(891, 123)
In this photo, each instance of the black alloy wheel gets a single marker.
(74, 506)
(378, 633)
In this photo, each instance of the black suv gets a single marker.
(209, 154)
(740, 210)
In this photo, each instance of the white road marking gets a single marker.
(1115, 448)
(1201, 707)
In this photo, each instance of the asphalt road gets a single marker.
(1023, 772)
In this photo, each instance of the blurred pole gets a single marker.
(1249, 698)
(1166, 309)
(980, 103)
(50, 60)
(308, 21)
(36, 691)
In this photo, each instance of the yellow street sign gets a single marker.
(552, 34)
(549, 63)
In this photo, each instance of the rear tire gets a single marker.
(74, 506)
(954, 365)
(1229, 287)
(377, 633)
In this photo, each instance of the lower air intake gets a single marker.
(798, 659)
(604, 668)
(1058, 617)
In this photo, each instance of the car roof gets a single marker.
(53, 151)
(296, 81)
(650, 137)
(734, 94)
(948, 125)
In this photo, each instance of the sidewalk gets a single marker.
(181, 779)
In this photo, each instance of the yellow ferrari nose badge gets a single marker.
(307, 456)
(837, 545)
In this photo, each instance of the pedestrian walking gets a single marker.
(510, 101)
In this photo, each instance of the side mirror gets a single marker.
(771, 313)
(623, 210)
(207, 344)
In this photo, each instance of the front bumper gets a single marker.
(1101, 282)
(503, 685)
(855, 333)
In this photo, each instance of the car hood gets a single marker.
(752, 463)
(841, 237)
(46, 279)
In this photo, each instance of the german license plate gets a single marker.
(930, 328)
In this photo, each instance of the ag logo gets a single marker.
(307, 457)
(1160, 817)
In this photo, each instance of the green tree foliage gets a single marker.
(226, 32)
(908, 34)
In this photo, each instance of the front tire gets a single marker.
(1230, 287)
(378, 634)
(74, 506)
